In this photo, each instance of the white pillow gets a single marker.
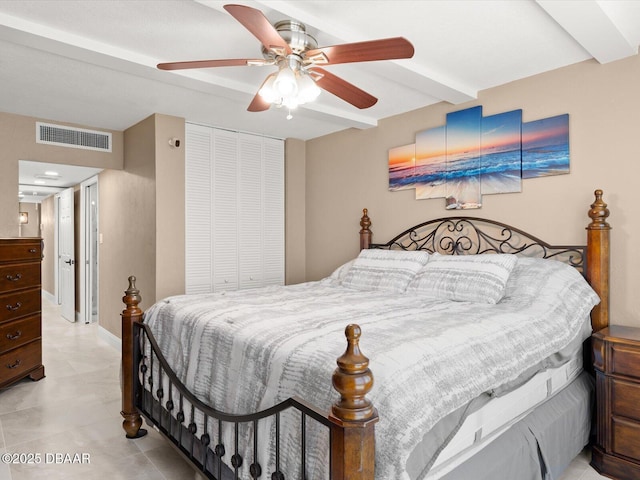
(385, 270)
(339, 273)
(534, 278)
(465, 278)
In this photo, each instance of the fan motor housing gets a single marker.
(295, 34)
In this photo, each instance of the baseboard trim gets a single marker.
(50, 297)
(110, 338)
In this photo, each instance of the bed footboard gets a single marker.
(195, 428)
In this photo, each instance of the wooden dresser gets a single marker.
(616, 452)
(20, 310)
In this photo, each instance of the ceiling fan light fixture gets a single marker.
(289, 88)
(285, 83)
(308, 91)
(267, 91)
(290, 103)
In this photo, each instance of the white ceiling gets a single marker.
(38, 180)
(93, 62)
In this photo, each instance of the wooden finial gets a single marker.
(365, 221)
(353, 380)
(365, 231)
(598, 213)
(132, 298)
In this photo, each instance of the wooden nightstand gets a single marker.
(616, 355)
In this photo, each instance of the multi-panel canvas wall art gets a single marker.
(473, 155)
(545, 147)
(402, 163)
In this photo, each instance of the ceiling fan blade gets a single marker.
(343, 89)
(258, 104)
(385, 49)
(255, 21)
(233, 62)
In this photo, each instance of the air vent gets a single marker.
(64, 136)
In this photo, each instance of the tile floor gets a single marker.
(76, 410)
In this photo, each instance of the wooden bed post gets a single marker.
(598, 260)
(365, 231)
(353, 416)
(132, 420)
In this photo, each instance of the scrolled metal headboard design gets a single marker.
(470, 235)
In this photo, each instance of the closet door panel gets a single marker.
(250, 214)
(198, 278)
(225, 210)
(273, 212)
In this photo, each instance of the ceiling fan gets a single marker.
(298, 58)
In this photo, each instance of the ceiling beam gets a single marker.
(591, 27)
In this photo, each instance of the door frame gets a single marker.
(85, 280)
(56, 247)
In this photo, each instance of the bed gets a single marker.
(285, 421)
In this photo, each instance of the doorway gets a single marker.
(65, 271)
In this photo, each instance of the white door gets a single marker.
(66, 258)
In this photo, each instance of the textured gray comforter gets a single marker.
(246, 350)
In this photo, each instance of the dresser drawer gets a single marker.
(625, 399)
(20, 304)
(16, 333)
(17, 362)
(16, 250)
(20, 275)
(625, 438)
(625, 360)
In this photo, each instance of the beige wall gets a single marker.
(32, 228)
(295, 271)
(18, 140)
(347, 171)
(128, 225)
(142, 218)
(170, 206)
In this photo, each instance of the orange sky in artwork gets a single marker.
(544, 134)
(402, 157)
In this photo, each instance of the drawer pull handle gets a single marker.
(15, 307)
(14, 364)
(14, 278)
(33, 250)
(14, 336)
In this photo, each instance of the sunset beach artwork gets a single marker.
(501, 162)
(545, 147)
(472, 155)
(402, 162)
(464, 136)
(431, 163)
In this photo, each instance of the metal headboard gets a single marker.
(471, 235)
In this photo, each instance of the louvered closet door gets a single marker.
(198, 209)
(225, 210)
(235, 210)
(250, 212)
(273, 212)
